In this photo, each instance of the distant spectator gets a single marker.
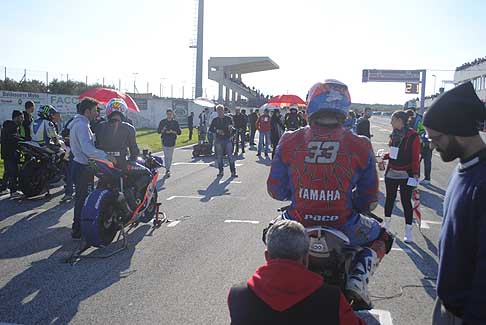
(222, 128)
(263, 127)
(277, 129)
(252, 119)
(190, 124)
(350, 122)
(240, 122)
(25, 128)
(9, 151)
(169, 130)
(293, 121)
(363, 124)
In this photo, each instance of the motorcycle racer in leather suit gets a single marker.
(329, 174)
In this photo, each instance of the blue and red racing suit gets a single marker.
(330, 175)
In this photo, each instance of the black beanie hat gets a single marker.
(456, 112)
(16, 113)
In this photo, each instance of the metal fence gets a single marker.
(134, 82)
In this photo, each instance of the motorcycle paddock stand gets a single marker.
(77, 254)
(158, 221)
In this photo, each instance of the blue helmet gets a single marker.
(332, 96)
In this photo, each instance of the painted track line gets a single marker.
(243, 221)
(173, 223)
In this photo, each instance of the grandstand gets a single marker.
(228, 71)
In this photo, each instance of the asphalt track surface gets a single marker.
(181, 272)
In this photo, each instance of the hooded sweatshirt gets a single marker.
(286, 292)
(81, 139)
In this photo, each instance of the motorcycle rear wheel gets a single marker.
(32, 179)
(99, 218)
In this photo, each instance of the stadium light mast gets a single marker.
(199, 45)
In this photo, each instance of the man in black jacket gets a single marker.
(25, 127)
(222, 128)
(252, 119)
(363, 124)
(9, 154)
(240, 125)
(190, 124)
(284, 291)
(169, 130)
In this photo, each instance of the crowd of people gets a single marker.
(471, 64)
(229, 133)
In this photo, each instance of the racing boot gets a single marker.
(357, 284)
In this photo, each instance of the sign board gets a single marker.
(15, 100)
(181, 110)
(391, 75)
(411, 88)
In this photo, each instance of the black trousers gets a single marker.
(83, 182)
(405, 196)
(190, 132)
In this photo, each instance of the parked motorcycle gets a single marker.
(123, 197)
(43, 165)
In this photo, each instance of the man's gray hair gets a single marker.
(287, 239)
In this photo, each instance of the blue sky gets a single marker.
(311, 40)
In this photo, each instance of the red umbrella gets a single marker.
(286, 100)
(103, 95)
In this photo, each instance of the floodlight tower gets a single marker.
(199, 46)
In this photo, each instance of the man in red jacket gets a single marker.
(263, 127)
(284, 291)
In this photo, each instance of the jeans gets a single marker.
(168, 154)
(252, 136)
(222, 148)
(11, 173)
(427, 158)
(69, 178)
(405, 196)
(240, 140)
(83, 177)
(264, 138)
(210, 138)
(190, 132)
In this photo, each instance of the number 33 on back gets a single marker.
(322, 152)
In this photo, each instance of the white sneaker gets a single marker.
(387, 223)
(425, 182)
(408, 234)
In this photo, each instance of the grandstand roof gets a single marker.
(243, 64)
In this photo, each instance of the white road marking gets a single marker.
(233, 182)
(184, 197)
(243, 221)
(384, 316)
(426, 224)
(398, 249)
(173, 223)
(200, 163)
(191, 163)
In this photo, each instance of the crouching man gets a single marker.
(284, 291)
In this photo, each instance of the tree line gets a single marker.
(69, 87)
